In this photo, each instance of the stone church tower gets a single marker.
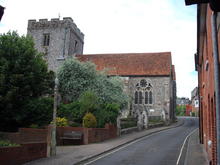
(56, 39)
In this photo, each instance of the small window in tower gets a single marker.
(76, 43)
(46, 39)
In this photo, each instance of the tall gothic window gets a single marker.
(150, 97)
(136, 97)
(146, 97)
(143, 93)
(140, 97)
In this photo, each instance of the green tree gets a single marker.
(89, 102)
(180, 110)
(23, 76)
(77, 77)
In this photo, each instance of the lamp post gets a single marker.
(53, 135)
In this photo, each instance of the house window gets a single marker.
(46, 39)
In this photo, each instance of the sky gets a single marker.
(121, 26)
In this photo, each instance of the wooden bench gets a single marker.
(72, 135)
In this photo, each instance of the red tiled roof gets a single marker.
(136, 64)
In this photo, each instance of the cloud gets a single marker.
(121, 26)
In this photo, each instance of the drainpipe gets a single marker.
(217, 83)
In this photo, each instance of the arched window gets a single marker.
(146, 97)
(140, 97)
(136, 97)
(150, 97)
(143, 93)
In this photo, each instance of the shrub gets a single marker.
(61, 122)
(7, 143)
(108, 113)
(89, 120)
(38, 111)
(71, 111)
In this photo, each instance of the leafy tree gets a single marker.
(89, 102)
(77, 77)
(23, 76)
(180, 110)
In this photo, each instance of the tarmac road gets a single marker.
(162, 148)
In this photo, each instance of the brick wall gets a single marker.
(90, 135)
(22, 154)
(206, 83)
(30, 135)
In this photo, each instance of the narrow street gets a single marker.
(162, 148)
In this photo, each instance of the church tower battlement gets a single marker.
(56, 39)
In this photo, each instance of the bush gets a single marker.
(61, 122)
(89, 121)
(71, 111)
(108, 113)
(38, 111)
(7, 143)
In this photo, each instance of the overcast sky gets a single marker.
(121, 26)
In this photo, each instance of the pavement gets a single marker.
(195, 151)
(69, 155)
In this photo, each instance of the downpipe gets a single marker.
(216, 78)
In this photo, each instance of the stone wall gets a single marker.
(65, 39)
(161, 96)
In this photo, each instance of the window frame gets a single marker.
(46, 39)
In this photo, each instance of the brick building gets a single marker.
(188, 110)
(206, 75)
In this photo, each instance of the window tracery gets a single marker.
(143, 93)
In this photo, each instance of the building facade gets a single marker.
(204, 60)
(149, 77)
(150, 80)
(56, 39)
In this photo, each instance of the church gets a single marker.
(149, 77)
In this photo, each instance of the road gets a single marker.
(162, 148)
